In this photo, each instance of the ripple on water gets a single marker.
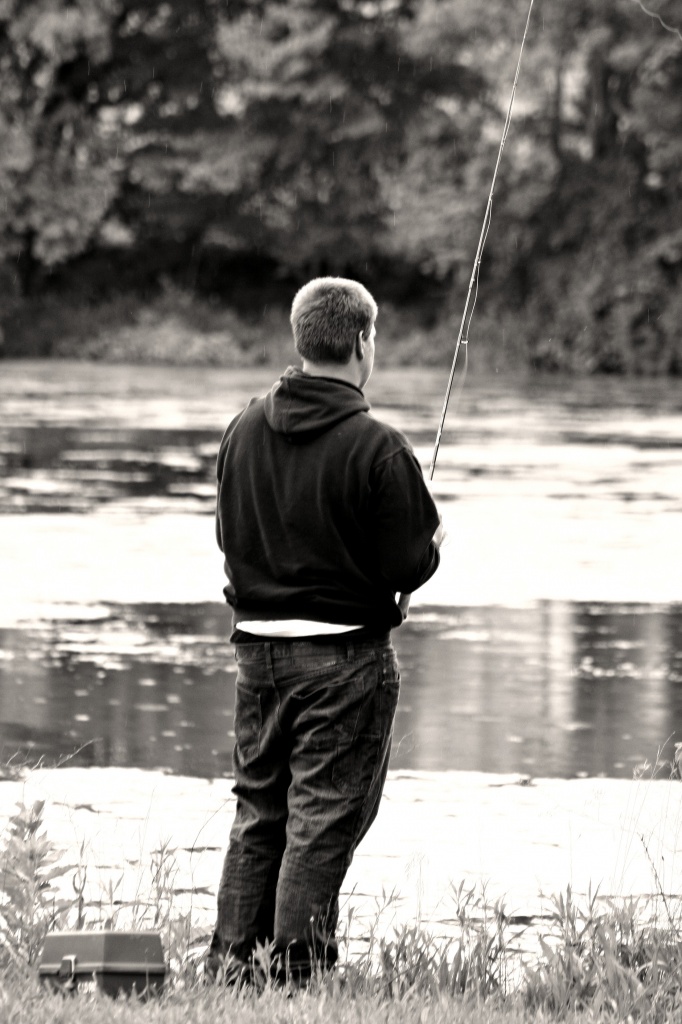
(509, 689)
(561, 499)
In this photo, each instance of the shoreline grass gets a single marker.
(597, 960)
(32, 1004)
(178, 328)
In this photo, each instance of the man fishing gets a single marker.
(324, 520)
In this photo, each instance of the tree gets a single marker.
(265, 140)
(57, 176)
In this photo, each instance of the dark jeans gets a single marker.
(313, 724)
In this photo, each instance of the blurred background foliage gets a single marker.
(202, 159)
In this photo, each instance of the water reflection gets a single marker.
(69, 469)
(558, 689)
(556, 494)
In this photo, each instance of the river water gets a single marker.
(549, 642)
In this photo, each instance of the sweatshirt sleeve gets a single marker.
(405, 519)
(220, 463)
(219, 476)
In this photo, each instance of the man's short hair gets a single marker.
(327, 315)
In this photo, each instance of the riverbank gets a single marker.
(178, 328)
(515, 839)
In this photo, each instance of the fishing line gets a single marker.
(472, 293)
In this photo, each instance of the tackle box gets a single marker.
(112, 961)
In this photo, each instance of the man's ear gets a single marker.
(359, 346)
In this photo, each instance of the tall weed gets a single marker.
(603, 958)
(30, 905)
(413, 962)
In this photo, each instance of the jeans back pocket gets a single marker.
(248, 722)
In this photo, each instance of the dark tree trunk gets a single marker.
(557, 103)
(602, 118)
(29, 270)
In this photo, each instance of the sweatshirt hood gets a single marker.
(302, 407)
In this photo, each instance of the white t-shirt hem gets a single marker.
(288, 628)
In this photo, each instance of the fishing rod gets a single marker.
(463, 334)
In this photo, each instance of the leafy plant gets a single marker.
(605, 958)
(412, 962)
(29, 903)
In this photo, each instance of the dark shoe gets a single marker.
(228, 971)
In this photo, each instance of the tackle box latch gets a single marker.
(67, 971)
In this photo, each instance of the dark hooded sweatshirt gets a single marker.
(323, 512)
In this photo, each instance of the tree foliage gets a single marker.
(57, 177)
(273, 139)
